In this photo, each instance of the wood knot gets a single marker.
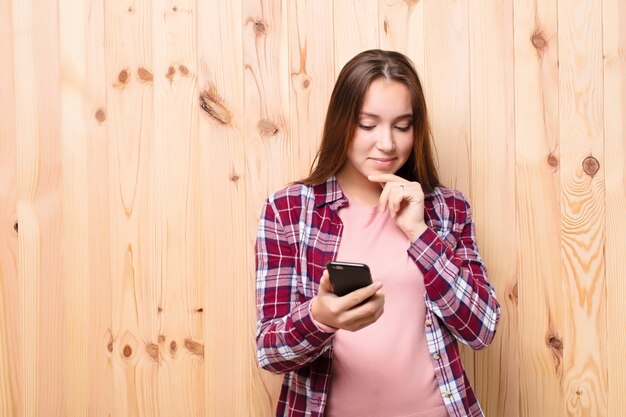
(234, 177)
(199, 310)
(386, 26)
(174, 9)
(259, 27)
(513, 295)
(161, 338)
(123, 76)
(554, 342)
(170, 73)
(183, 69)
(110, 345)
(553, 161)
(16, 227)
(194, 347)
(100, 115)
(267, 128)
(127, 351)
(144, 74)
(153, 351)
(130, 9)
(173, 347)
(159, 309)
(579, 392)
(301, 81)
(591, 166)
(538, 41)
(213, 105)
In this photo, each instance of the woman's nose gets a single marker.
(385, 142)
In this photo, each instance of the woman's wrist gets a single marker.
(417, 232)
(321, 326)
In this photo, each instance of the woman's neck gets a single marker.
(358, 187)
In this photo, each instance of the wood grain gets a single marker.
(614, 38)
(74, 231)
(175, 173)
(446, 81)
(225, 178)
(492, 188)
(402, 28)
(447, 75)
(354, 35)
(541, 321)
(95, 112)
(38, 208)
(10, 346)
(311, 35)
(582, 207)
(138, 234)
(26, 132)
(270, 162)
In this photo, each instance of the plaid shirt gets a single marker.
(299, 232)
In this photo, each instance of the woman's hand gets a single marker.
(405, 202)
(347, 312)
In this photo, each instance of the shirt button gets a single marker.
(429, 323)
(437, 356)
(447, 394)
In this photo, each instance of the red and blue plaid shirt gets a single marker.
(299, 232)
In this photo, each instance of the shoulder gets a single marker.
(293, 193)
(290, 202)
(447, 204)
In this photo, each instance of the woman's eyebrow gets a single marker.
(375, 116)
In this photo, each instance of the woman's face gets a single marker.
(383, 140)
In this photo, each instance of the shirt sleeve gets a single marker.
(286, 335)
(457, 289)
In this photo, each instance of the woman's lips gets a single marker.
(383, 162)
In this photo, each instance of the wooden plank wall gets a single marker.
(139, 138)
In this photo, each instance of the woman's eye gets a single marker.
(366, 127)
(403, 128)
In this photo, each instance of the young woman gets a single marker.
(388, 349)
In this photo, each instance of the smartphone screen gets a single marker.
(347, 276)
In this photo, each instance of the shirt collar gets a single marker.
(329, 193)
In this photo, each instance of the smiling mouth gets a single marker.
(383, 159)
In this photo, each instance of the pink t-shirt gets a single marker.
(383, 370)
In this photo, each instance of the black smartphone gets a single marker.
(347, 276)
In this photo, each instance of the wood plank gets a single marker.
(541, 326)
(138, 237)
(174, 172)
(311, 34)
(402, 28)
(38, 188)
(10, 355)
(100, 342)
(270, 154)
(267, 81)
(356, 29)
(447, 88)
(26, 134)
(232, 384)
(614, 43)
(492, 159)
(74, 229)
(85, 168)
(582, 207)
